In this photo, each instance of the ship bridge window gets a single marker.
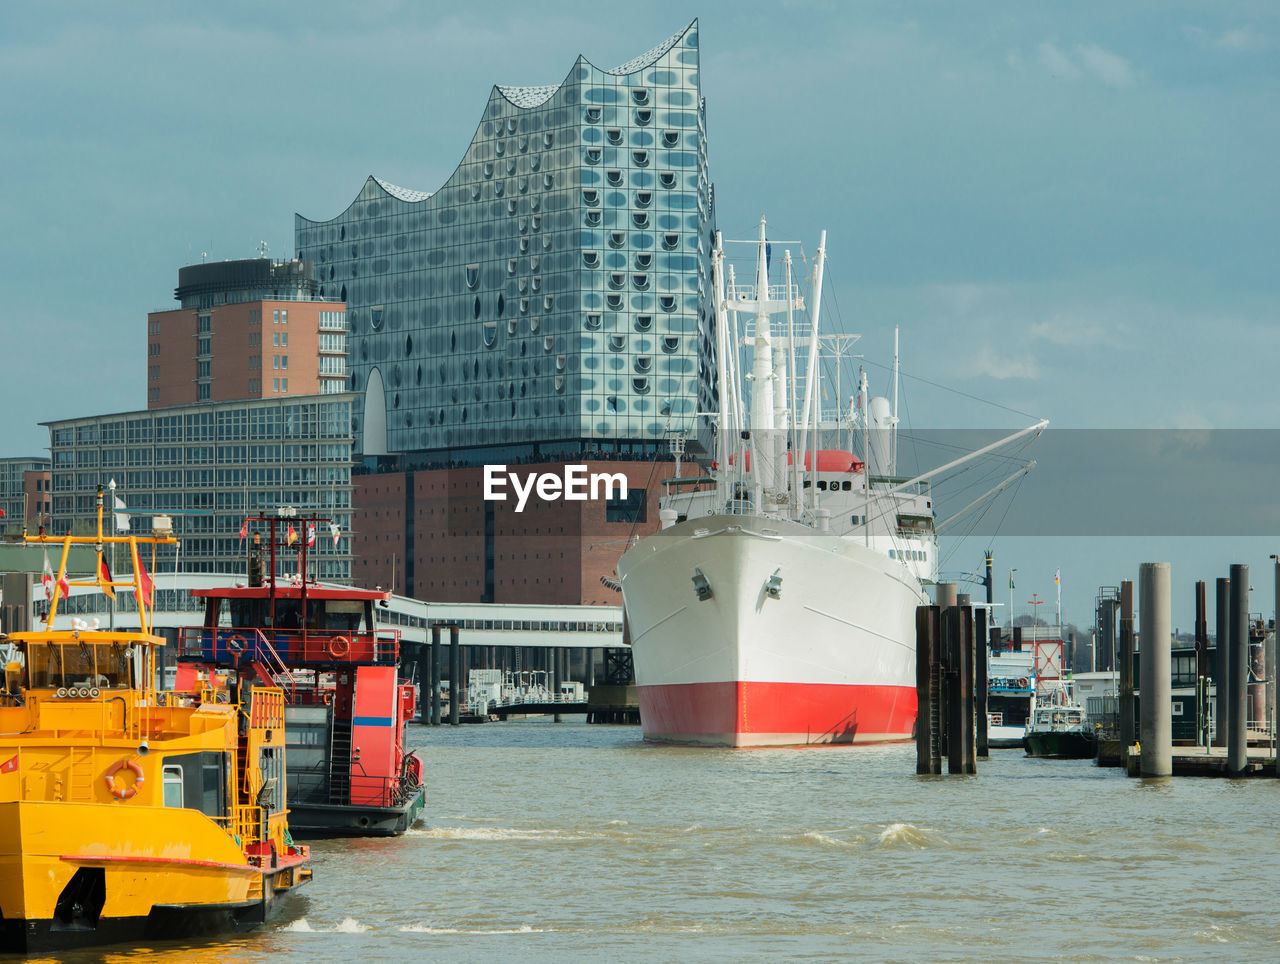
(846, 486)
(342, 615)
(913, 525)
(80, 666)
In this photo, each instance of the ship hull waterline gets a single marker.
(802, 638)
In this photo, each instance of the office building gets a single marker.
(24, 493)
(253, 328)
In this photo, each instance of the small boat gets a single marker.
(350, 772)
(1010, 691)
(1059, 728)
(128, 813)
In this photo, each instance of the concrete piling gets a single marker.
(1156, 728)
(1238, 659)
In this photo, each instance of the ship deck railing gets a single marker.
(284, 649)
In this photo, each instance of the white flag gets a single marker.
(333, 529)
(122, 517)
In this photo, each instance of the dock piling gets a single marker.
(435, 675)
(1238, 662)
(1156, 729)
(980, 681)
(1125, 663)
(928, 721)
(457, 688)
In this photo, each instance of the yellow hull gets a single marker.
(83, 873)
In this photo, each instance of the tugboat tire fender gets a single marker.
(1023, 683)
(124, 793)
(339, 647)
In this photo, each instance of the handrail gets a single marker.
(281, 676)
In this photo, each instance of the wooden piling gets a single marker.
(457, 688)
(928, 750)
(1125, 660)
(1238, 650)
(435, 675)
(980, 681)
(1222, 619)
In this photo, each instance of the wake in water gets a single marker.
(908, 835)
(424, 929)
(349, 925)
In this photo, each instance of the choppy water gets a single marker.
(575, 842)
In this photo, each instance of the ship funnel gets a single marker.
(879, 436)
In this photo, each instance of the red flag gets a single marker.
(311, 534)
(293, 534)
(104, 577)
(244, 530)
(64, 587)
(333, 527)
(9, 765)
(148, 586)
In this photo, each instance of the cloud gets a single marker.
(1242, 40)
(1110, 68)
(1071, 334)
(988, 363)
(1089, 60)
(1056, 62)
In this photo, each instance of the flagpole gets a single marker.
(111, 619)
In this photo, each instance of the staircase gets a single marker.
(340, 762)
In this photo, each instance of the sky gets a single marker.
(1069, 210)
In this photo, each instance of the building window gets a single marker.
(202, 369)
(275, 362)
(275, 316)
(284, 384)
(275, 384)
(202, 392)
(203, 347)
(284, 362)
(284, 339)
(275, 339)
(204, 324)
(629, 509)
(284, 316)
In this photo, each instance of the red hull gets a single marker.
(776, 714)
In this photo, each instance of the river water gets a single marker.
(558, 842)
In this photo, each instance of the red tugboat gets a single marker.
(349, 772)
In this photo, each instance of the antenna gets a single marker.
(262, 249)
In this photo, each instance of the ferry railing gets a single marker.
(248, 824)
(283, 648)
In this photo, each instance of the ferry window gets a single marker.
(822, 485)
(173, 786)
(891, 556)
(343, 615)
(846, 486)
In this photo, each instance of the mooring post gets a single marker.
(557, 678)
(956, 670)
(928, 751)
(1154, 663)
(1238, 650)
(435, 675)
(1202, 667)
(1222, 673)
(1275, 710)
(456, 687)
(424, 682)
(1125, 696)
(968, 676)
(980, 681)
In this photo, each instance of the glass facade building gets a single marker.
(555, 291)
(210, 466)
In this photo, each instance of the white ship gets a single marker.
(776, 606)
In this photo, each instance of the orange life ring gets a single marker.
(124, 793)
(237, 643)
(339, 647)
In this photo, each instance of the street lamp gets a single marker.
(1011, 572)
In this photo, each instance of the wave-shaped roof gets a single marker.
(650, 57)
(536, 96)
(403, 193)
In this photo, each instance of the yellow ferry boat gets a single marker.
(128, 813)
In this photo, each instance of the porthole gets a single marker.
(643, 199)
(499, 189)
(614, 135)
(644, 260)
(670, 138)
(591, 115)
(511, 266)
(593, 155)
(640, 219)
(643, 117)
(617, 280)
(511, 166)
(548, 302)
(488, 169)
(640, 282)
(671, 241)
(643, 363)
(548, 343)
(524, 145)
(590, 197)
(670, 345)
(592, 322)
(617, 342)
(395, 400)
(614, 302)
(473, 276)
(524, 306)
(640, 385)
(640, 95)
(512, 325)
(591, 258)
(537, 282)
(667, 302)
(667, 179)
(511, 125)
(614, 178)
(592, 218)
(500, 147)
(502, 303)
(559, 382)
(548, 181)
(611, 404)
(524, 243)
(475, 308)
(408, 345)
(644, 322)
(534, 324)
(561, 362)
(511, 206)
(419, 376)
(536, 222)
(617, 238)
(548, 139)
(640, 158)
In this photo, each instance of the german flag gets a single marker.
(104, 577)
